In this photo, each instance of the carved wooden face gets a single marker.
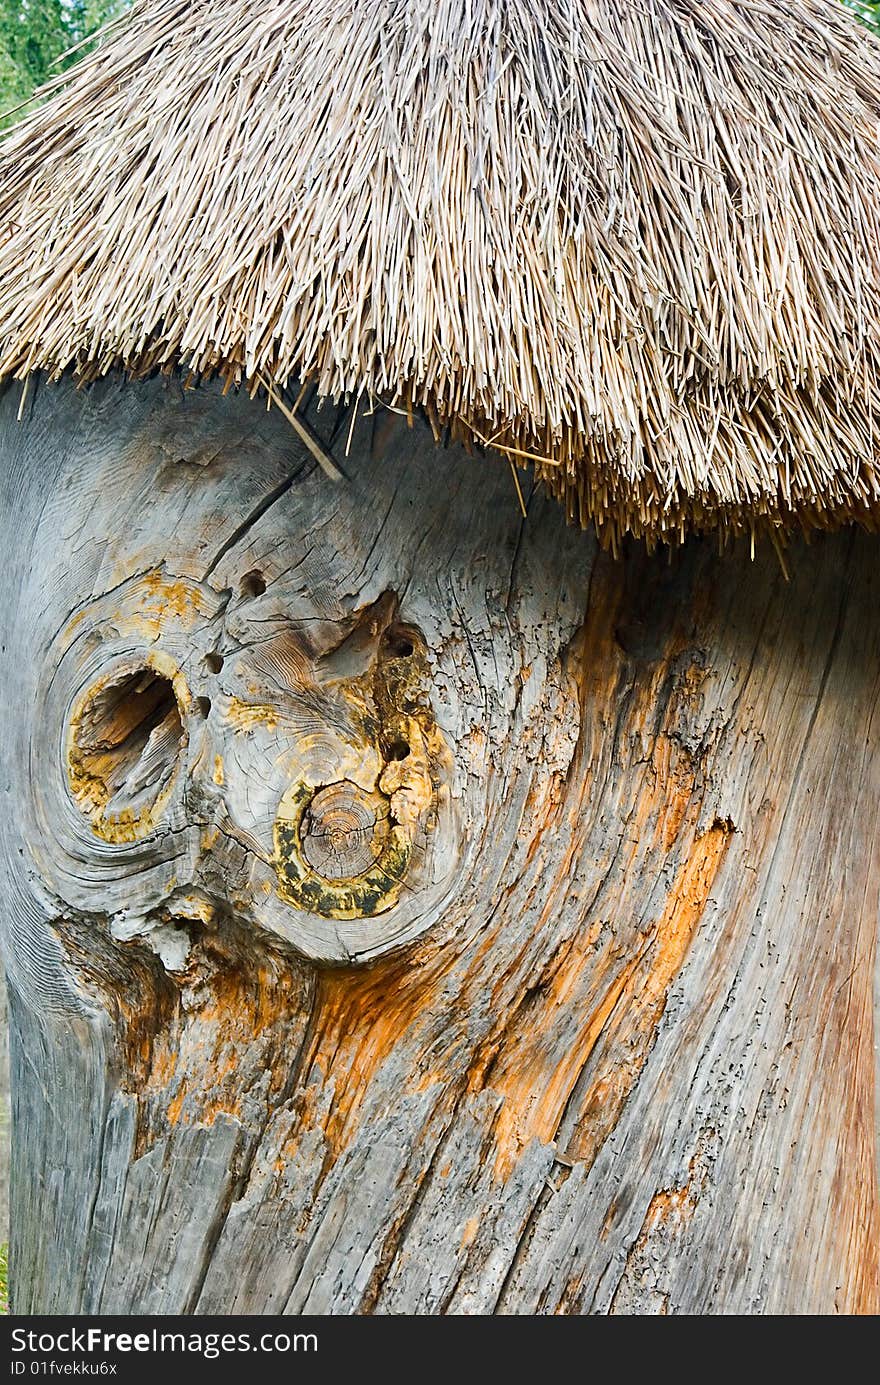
(264, 693)
(405, 911)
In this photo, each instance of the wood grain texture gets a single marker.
(611, 1048)
(4, 1117)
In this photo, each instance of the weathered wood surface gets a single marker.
(606, 1046)
(4, 1118)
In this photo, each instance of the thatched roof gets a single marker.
(637, 239)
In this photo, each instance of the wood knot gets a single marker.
(124, 746)
(344, 830)
(338, 850)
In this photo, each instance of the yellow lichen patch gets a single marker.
(192, 906)
(247, 716)
(161, 599)
(343, 845)
(372, 842)
(407, 782)
(218, 770)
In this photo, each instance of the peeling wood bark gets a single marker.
(603, 1044)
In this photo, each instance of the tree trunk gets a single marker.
(4, 1121)
(410, 908)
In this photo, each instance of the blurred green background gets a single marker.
(35, 35)
(868, 14)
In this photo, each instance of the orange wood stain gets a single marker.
(358, 1019)
(540, 1063)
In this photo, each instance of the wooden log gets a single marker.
(4, 1119)
(411, 909)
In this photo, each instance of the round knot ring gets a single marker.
(344, 830)
(338, 852)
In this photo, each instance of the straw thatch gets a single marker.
(637, 239)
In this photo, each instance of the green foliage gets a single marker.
(34, 36)
(4, 1292)
(869, 14)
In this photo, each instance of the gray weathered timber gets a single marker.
(597, 1037)
(4, 1117)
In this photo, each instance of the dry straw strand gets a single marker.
(635, 241)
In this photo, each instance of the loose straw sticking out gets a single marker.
(522, 503)
(324, 460)
(635, 242)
